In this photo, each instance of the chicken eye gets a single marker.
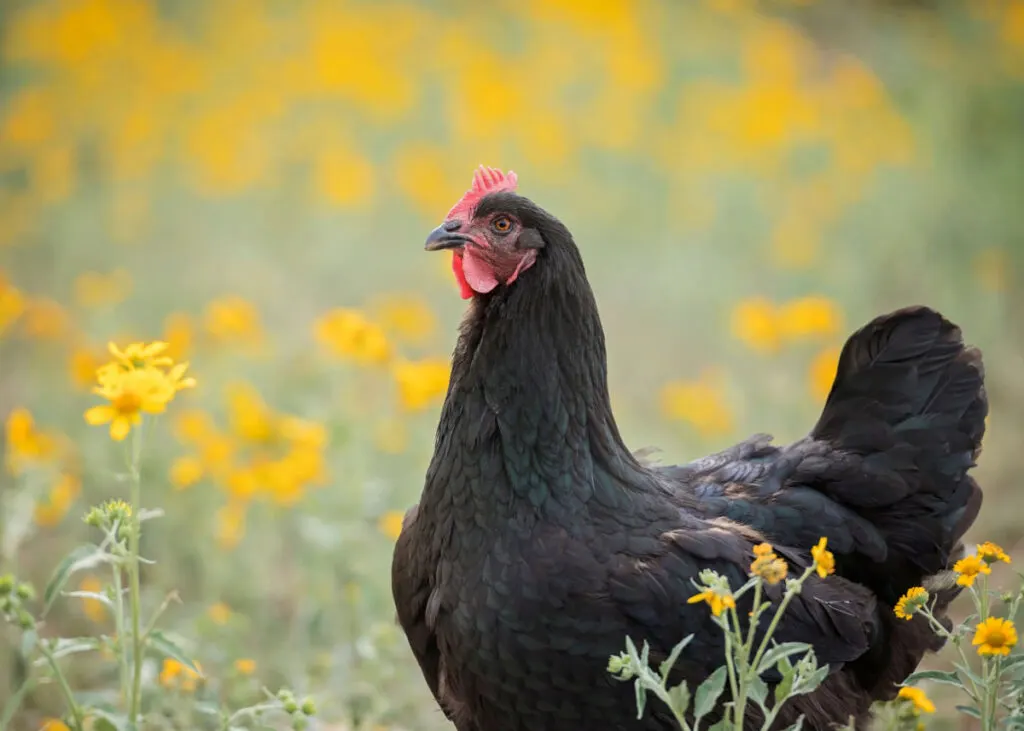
(502, 224)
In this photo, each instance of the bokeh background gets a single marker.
(252, 181)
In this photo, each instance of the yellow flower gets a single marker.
(249, 416)
(220, 613)
(917, 697)
(408, 318)
(245, 666)
(823, 372)
(82, 366)
(769, 567)
(349, 334)
(54, 724)
(186, 471)
(995, 636)
(915, 598)
(25, 443)
(809, 317)
(140, 356)
(178, 335)
(390, 524)
(233, 320)
(702, 403)
(968, 569)
(755, 323)
(175, 674)
(717, 600)
(12, 304)
(421, 382)
(94, 609)
(990, 553)
(824, 561)
(192, 425)
(60, 498)
(131, 393)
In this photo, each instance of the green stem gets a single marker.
(786, 599)
(76, 713)
(122, 654)
(133, 577)
(957, 642)
(988, 720)
(15, 701)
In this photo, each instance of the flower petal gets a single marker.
(119, 428)
(99, 415)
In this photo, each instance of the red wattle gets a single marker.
(460, 276)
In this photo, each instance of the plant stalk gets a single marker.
(135, 599)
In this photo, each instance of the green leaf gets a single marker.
(784, 650)
(758, 691)
(160, 642)
(28, 642)
(90, 595)
(707, 693)
(103, 720)
(782, 690)
(666, 667)
(936, 676)
(810, 683)
(150, 513)
(641, 699)
(974, 677)
(80, 558)
(1011, 662)
(720, 726)
(70, 646)
(969, 710)
(680, 697)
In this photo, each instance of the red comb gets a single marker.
(485, 182)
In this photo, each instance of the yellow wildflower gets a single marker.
(60, 498)
(25, 443)
(192, 425)
(769, 567)
(82, 366)
(390, 524)
(990, 553)
(12, 304)
(349, 334)
(755, 323)
(968, 569)
(245, 666)
(178, 335)
(917, 697)
(915, 598)
(94, 609)
(824, 561)
(701, 402)
(54, 724)
(249, 416)
(140, 356)
(233, 319)
(823, 372)
(421, 382)
(995, 636)
(186, 471)
(717, 600)
(130, 395)
(175, 674)
(220, 613)
(809, 317)
(408, 318)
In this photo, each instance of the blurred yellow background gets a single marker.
(252, 181)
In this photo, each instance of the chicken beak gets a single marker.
(446, 236)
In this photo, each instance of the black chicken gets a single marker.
(540, 542)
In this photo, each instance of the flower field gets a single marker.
(223, 349)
